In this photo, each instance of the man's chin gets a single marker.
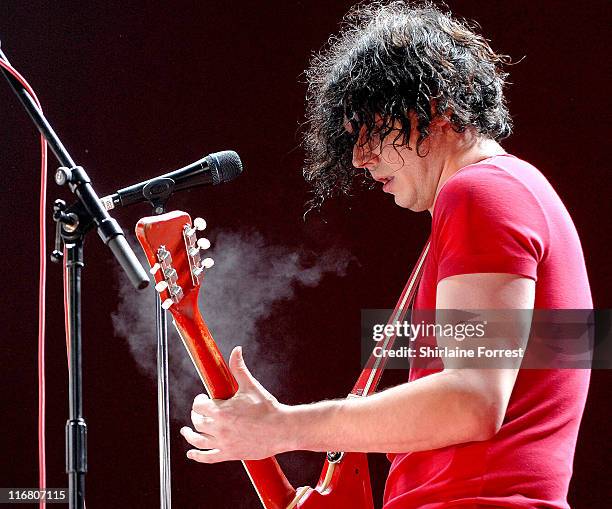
(406, 203)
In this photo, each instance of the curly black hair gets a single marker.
(389, 59)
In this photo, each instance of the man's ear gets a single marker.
(440, 121)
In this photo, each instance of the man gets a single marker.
(416, 98)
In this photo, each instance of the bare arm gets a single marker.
(450, 407)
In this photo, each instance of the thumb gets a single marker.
(239, 370)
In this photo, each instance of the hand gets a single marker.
(250, 425)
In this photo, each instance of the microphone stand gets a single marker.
(163, 410)
(73, 223)
(157, 193)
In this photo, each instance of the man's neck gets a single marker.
(465, 153)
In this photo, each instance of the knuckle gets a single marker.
(205, 408)
(211, 412)
(200, 399)
(200, 442)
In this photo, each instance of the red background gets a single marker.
(141, 89)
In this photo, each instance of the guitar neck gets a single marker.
(270, 483)
(206, 357)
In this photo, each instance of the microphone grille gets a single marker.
(226, 165)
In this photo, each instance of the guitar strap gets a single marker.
(371, 374)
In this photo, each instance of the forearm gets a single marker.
(433, 412)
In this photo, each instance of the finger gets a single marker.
(203, 405)
(211, 456)
(201, 399)
(199, 440)
(239, 370)
(202, 423)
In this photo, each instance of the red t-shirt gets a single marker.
(502, 215)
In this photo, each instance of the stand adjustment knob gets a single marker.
(63, 175)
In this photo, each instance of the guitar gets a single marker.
(174, 254)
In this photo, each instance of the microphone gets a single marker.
(211, 170)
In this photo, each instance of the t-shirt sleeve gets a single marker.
(486, 220)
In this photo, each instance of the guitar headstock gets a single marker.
(174, 254)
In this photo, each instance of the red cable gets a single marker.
(42, 272)
(42, 298)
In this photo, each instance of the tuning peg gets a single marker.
(176, 292)
(167, 303)
(207, 263)
(199, 223)
(161, 286)
(203, 243)
(163, 255)
(153, 270)
(170, 274)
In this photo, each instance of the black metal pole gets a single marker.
(76, 428)
(75, 176)
(38, 118)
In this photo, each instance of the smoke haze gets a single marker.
(249, 277)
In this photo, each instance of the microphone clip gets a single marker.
(157, 193)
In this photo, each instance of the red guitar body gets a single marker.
(342, 485)
(169, 242)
